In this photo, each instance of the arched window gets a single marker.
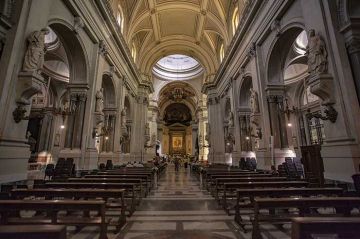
(222, 52)
(235, 20)
(133, 51)
(120, 18)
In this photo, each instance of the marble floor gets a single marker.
(179, 208)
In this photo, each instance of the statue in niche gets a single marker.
(99, 106)
(57, 139)
(230, 141)
(35, 52)
(147, 129)
(31, 142)
(254, 101)
(123, 117)
(317, 54)
(230, 119)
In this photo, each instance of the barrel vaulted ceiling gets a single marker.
(158, 28)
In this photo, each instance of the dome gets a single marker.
(177, 67)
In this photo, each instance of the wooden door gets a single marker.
(313, 163)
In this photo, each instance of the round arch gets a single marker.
(75, 51)
(109, 91)
(278, 53)
(244, 95)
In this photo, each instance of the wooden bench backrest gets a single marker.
(280, 184)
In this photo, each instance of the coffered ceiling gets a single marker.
(158, 28)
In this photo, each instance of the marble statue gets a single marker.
(231, 119)
(31, 142)
(35, 52)
(99, 106)
(147, 129)
(123, 117)
(230, 141)
(317, 54)
(254, 101)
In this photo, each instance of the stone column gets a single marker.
(353, 48)
(70, 122)
(45, 132)
(160, 136)
(137, 140)
(277, 119)
(79, 120)
(217, 150)
(194, 135)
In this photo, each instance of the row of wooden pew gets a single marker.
(97, 198)
(270, 199)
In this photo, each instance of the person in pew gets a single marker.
(273, 171)
(138, 165)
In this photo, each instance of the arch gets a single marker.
(75, 51)
(177, 113)
(127, 104)
(244, 95)
(278, 54)
(227, 107)
(109, 91)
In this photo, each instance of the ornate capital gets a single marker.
(275, 98)
(252, 50)
(102, 48)
(78, 24)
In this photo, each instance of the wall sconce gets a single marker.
(19, 113)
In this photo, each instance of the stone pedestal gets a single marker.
(29, 84)
(322, 86)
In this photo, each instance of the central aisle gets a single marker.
(178, 205)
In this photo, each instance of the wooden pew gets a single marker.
(251, 194)
(132, 192)
(306, 206)
(52, 209)
(342, 227)
(229, 188)
(145, 178)
(210, 179)
(108, 195)
(219, 182)
(29, 231)
(137, 182)
(149, 175)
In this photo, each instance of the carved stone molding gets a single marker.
(353, 45)
(78, 24)
(30, 83)
(102, 48)
(276, 26)
(275, 98)
(322, 85)
(252, 50)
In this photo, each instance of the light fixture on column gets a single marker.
(289, 124)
